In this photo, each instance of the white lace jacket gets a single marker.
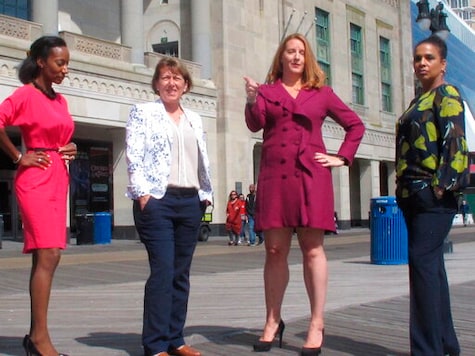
(148, 151)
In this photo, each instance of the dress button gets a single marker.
(283, 144)
(284, 176)
(283, 160)
(285, 128)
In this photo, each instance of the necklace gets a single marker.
(296, 87)
(51, 94)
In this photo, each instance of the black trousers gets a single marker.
(428, 223)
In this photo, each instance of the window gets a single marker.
(385, 65)
(15, 8)
(356, 47)
(166, 48)
(456, 4)
(357, 89)
(323, 41)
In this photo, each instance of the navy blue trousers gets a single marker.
(428, 223)
(168, 227)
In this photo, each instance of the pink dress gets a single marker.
(41, 194)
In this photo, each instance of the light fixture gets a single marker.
(433, 19)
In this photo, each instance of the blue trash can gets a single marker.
(102, 228)
(388, 232)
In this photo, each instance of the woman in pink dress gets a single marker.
(42, 178)
(295, 183)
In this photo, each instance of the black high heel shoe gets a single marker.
(313, 351)
(30, 347)
(263, 346)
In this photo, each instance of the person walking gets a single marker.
(295, 183)
(431, 171)
(233, 219)
(243, 235)
(169, 182)
(250, 211)
(465, 210)
(42, 178)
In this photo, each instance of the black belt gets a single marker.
(182, 192)
(41, 149)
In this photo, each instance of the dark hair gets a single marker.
(437, 42)
(41, 48)
(175, 66)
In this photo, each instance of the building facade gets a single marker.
(465, 9)
(364, 47)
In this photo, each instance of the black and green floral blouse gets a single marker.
(431, 149)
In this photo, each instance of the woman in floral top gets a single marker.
(432, 168)
(170, 184)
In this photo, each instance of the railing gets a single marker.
(18, 28)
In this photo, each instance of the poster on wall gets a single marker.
(100, 178)
(79, 173)
(91, 179)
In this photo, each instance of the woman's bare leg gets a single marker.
(315, 274)
(276, 277)
(43, 267)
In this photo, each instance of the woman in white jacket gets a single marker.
(170, 184)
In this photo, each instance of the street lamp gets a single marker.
(434, 20)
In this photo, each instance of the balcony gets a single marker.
(19, 29)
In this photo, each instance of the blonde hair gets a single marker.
(312, 77)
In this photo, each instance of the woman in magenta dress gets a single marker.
(42, 178)
(295, 183)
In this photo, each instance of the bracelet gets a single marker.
(20, 155)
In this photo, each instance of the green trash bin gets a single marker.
(388, 232)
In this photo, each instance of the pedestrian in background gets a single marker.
(233, 219)
(431, 170)
(169, 182)
(250, 211)
(244, 235)
(465, 210)
(42, 178)
(295, 183)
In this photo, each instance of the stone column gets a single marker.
(46, 13)
(374, 179)
(341, 186)
(201, 35)
(391, 179)
(369, 175)
(131, 17)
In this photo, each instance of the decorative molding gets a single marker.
(96, 47)
(17, 28)
(393, 3)
(152, 58)
(371, 137)
(113, 90)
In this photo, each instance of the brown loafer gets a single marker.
(184, 350)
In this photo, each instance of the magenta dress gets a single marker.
(293, 189)
(41, 194)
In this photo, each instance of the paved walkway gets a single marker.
(96, 302)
